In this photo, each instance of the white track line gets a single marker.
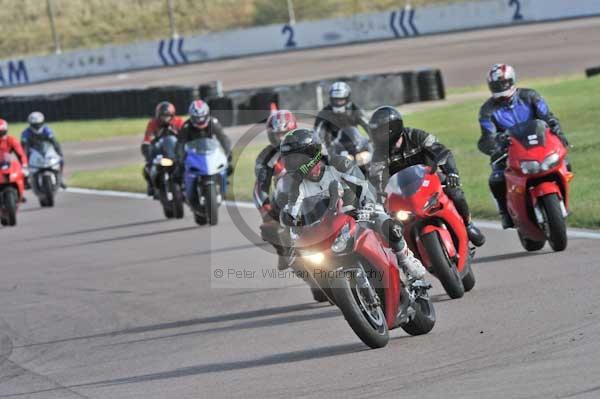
(487, 224)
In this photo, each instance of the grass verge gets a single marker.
(74, 131)
(575, 101)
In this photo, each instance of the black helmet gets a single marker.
(386, 125)
(300, 151)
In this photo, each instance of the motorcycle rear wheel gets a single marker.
(369, 325)
(469, 280)
(530, 245)
(423, 320)
(555, 226)
(443, 268)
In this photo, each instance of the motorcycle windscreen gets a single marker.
(408, 181)
(530, 134)
(167, 146)
(309, 211)
(43, 155)
(350, 139)
(203, 145)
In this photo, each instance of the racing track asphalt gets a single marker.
(536, 50)
(102, 298)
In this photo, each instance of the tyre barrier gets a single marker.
(368, 91)
(96, 104)
(591, 72)
(222, 109)
(235, 108)
(431, 85)
(210, 90)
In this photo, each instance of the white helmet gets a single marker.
(36, 121)
(339, 96)
(501, 81)
(199, 114)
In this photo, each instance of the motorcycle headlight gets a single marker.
(530, 167)
(53, 161)
(166, 162)
(340, 244)
(363, 158)
(550, 162)
(315, 258)
(404, 216)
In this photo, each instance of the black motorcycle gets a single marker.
(162, 175)
(354, 146)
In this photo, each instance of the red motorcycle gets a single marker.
(12, 186)
(433, 228)
(357, 272)
(537, 182)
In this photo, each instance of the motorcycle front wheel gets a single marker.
(47, 189)
(212, 207)
(555, 227)
(443, 268)
(355, 300)
(10, 204)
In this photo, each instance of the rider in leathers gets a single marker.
(308, 174)
(398, 147)
(340, 113)
(201, 125)
(508, 107)
(268, 169)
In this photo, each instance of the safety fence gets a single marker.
(237, 107)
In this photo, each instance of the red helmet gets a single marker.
(279, 124)
(164, 112)
(3, 127)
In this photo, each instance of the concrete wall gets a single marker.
(396, 24)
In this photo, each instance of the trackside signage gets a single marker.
(402, 23)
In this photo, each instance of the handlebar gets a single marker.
(502, 158)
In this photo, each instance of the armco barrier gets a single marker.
(401, 23)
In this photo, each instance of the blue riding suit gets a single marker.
(497, 116)
(29, 139)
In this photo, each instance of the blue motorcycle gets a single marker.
(205, 179)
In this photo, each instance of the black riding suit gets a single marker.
(214, 129)
(267, 169)
(413, 148)
(328, 123)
